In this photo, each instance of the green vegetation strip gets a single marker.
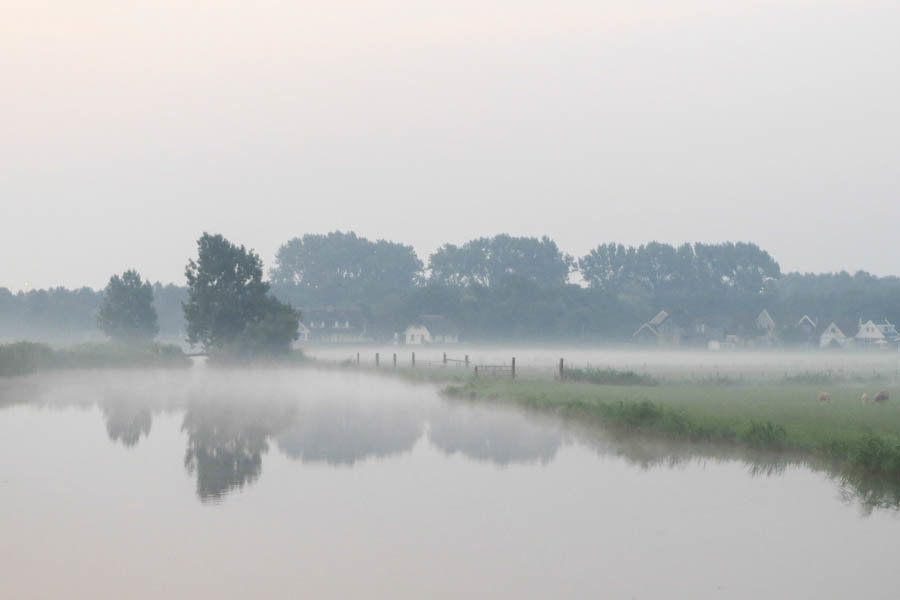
(21, 358)
(857, 438)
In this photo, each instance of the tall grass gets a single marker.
(21, 358)
(608, 377)
(857, 439)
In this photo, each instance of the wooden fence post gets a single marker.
(513, 367)
(414, 359)
(467, 360)
(476, 370)
(376, 360)
(357, 359)
(445, 359)
(561, 375)
(395, 360)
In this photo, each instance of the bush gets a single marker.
(26, 357)
(21, 358)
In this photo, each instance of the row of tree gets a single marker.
(501, 287)
(342, 267)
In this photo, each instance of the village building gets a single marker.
(766, 330)
(330, 325)
(431, 329)
(833, 337)
(661, 330)
(302, 332)
(807, 325)
(765, 323)
(878, 334)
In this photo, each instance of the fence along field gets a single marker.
(666, 367)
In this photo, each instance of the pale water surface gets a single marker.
(328, 484)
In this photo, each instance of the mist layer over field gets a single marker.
(676, 365)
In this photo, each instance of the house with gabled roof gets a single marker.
(661, 330)
(431, 329)
(765, 323)
(333, 325)
(833, 337)
(766, 330)
(879, 334)
(807, 324)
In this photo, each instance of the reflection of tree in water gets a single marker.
(226, 441)
(496, 435)
(127, 421)
(345, 432)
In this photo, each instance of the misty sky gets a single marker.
(129, 128)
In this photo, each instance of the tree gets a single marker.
(228, 302)
(343, 268)
(126, 313)
(489, 261)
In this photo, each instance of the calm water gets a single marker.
(251, 484)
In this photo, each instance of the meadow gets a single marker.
(783, 416)
(758, 401)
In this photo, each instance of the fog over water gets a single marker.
(341, 483)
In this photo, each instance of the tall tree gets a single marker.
(126, 313)
(488, 261)
(228, 300)
(343, 268)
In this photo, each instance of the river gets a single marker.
(207, 483)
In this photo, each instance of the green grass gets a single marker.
(21, 358)
(609, 377)
(780, 417)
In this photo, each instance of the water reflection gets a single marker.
(230, 420)
(126, 420)
(498, 436)
(346, 432)
(127, 424)
(226, 441)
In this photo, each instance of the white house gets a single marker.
(877, 333)
(833, 337)
(431, 329)
(333, 325)
(765, 322)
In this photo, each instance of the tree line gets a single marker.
(501, 287)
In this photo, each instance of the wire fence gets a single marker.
(710, 373)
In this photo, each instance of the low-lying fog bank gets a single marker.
(232, 417)
(670, 364)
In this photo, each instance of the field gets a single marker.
(716, 411)
(759, 401)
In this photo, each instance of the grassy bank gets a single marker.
(855, 437)
(21, 358)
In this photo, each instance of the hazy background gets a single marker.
(129, 128)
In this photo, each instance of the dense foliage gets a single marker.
(127, 314)
(342, 268)
(499, 288)
(21, 358)
(489, 262)
(229, 306)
